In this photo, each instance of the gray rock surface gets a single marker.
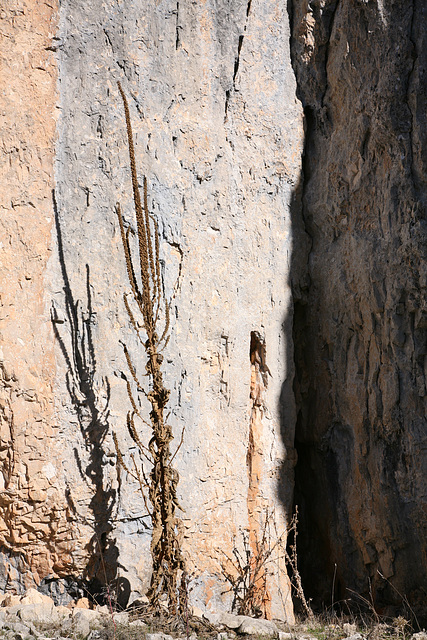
(244, 625)
(121, 617)
(349, 628)
(229, 620)
(22, 629)
(258, 627)
(360, 315)
(219, 134)
(139, 623)
(81, 622)
(158, 636)
(41, 612)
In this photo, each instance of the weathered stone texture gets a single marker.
(219, 134)
(218, 131)
(34, 531)
(360, 325)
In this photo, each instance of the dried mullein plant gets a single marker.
(158, 480)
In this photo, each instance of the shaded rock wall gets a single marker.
(360, 318)
(219, 135)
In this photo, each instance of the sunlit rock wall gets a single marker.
(218, 133)
(33, 520)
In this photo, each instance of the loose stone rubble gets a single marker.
(34, 616)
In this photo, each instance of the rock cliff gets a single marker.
(219, 135)
(360, 316)
(284, 148)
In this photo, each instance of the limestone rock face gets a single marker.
(218, 124)
(219, 135)
(360, 317)
(34, 530)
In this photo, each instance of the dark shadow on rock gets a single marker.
(14, 571)
(312, 470)
(297, 281)
(90, 402)
(290, 406)
(63, 591)
(359, 486)
(123, 591)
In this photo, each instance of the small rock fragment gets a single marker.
(11, 600)
(349, 629)
(20, 628)
(63, 612)
(41, 612)
(103, 609)
(83, 603)
(33, 596)
(257, 627)
(139, 602)
(12, 612)
(231, 621)
(121, 617)
(139, 623)
(81, 622)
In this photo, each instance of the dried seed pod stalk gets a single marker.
(148, 298)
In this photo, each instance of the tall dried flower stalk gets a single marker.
(158, 486)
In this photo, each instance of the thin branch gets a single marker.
(179, 446)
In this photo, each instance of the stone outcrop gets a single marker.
(360, 316)
(32, 618)
(219, 135)
(217, 93)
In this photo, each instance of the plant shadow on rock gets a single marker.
(90, 402)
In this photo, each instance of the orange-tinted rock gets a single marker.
(31, 500)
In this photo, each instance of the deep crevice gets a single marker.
(177, 29)
(314, 549)
(259, 602)
(237, 60)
